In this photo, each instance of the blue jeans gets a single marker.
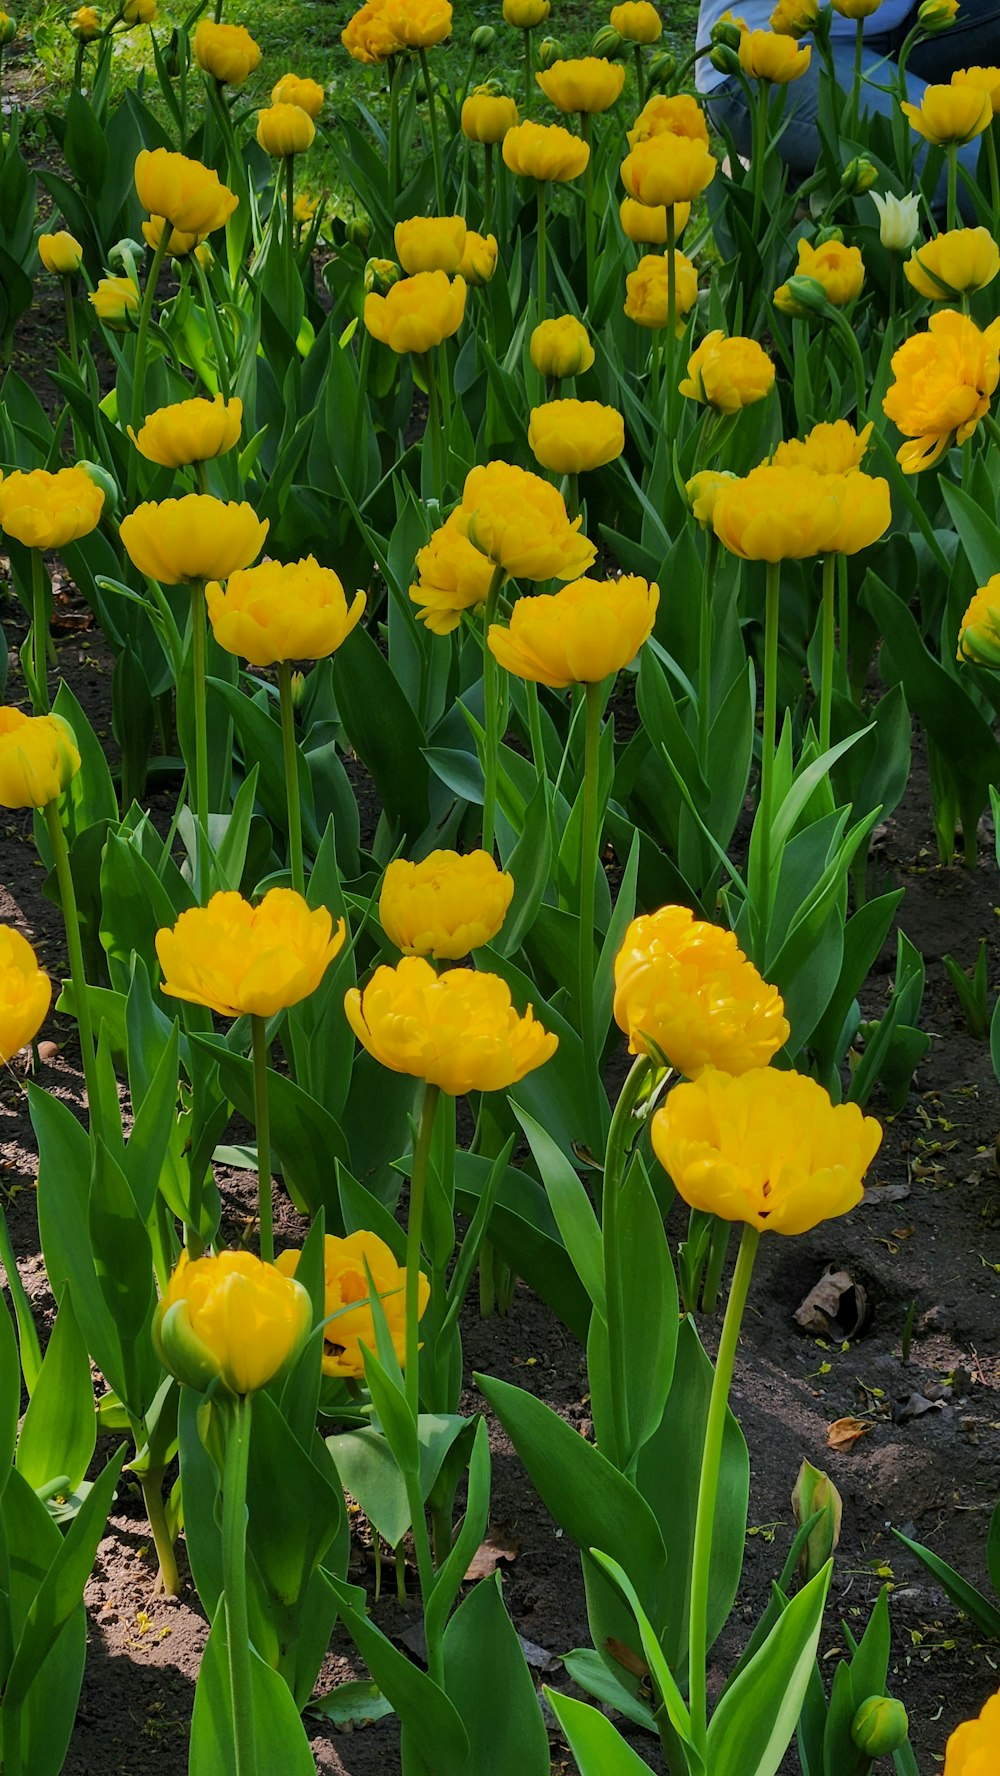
(974, 39)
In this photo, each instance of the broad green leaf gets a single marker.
(59, 1433)
(571, 1206)
(964, 1595)
(281, 1742)
(753, 1725)
(431, 1718)
(596, 1744)
(488, 1680)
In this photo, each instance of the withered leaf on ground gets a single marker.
(498, 1545)
(845, 1432)
(914, 1406)
(836, 1308)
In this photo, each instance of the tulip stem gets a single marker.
(151, 1485)
(542, 251)
(488, 192)
(620, 1139)
(198, 692)
(74, 947)
(951, 213)
(991, 162)
(435, 424)
(589, 864)
(671, 342)
(395, 65)
(758, 150)
(39, 635)
(291, 758)
(414, 1227)
(435, 139)
(640, 73)
(289, 170)
(588, 211)
(262, 1121)
(528, 71)
(859, 50)
(768, 737)
(705, 637)
(212, 320)
(234, 1575)
(491, 713)
(708, 1488)
(142, 336)
(827, 649)
(655, 378)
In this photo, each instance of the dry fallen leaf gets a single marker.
(845, 1432)
(626, 1658)
(836, 1308)
(499, 1545)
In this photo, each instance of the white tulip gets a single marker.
(899, 220)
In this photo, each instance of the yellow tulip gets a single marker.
(774, 56)
(189, 195)
(526, 14)
(944, 380)
(240, 959)
(458, 1030)
(445, 905)
(865, 510)
(646, 224)
(637, 21)
(794, 18)
(227, 52)
(950, 115)
(230, 1319)
(832, 448)
(855, 9)
(45, 510)
(561, 347)
(676, 114)
(347, 1265)
(430, 243)
(417, 313)
(25, 993)
(777, 514)
(972, 1746)
(487, 116)
(986, 79)
(766, 1147)
(367, 37)
(579, 635)
(545, 151)
(728, 374)
(979, 630)
(571, 437)
(114, 299)
(85, 23)
(685, 991)
(418, 24)
(178, 243)
(278, 612)
(139, 12)
(307, 94)
(521, 524)
(452, 577)
(60, 253)
(668, 169)
(479, 260)
(285, 129)
(197, 537)
(190, 431)
(702, 492)
(589, 85)
(647, 289)
(839, 269)
(38, 757)
(954, 264)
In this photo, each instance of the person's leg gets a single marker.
(972, 41)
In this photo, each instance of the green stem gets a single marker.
(488, 186)
(542, 250)
(846, 333)
(152, 1498)
(951, 213)
(291, 760)
(701, 1559)
(758, 150)
(622, 1131)
(991, 162)
(769, 730)
(394, 71)
(445, 407)
(39, 634)
(640, 73)
(435, 425)
(491, 766)
(844, 623)
(74, 946)
(827, 649)
(671, 341)
(718, 1247)
(589, 216)
(289, 170)
(655, 397)
(589, 860)
(620, 1138)
(262, 1123)
(71, 340)
(142, 336)
(414, 1226)
(859, 46)
(706, 628)
(198, 692)
(435, 139)
(528, 72)
(234, 1575)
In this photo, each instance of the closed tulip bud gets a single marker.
(660, 70)
(767, 55)
(227, 52)
(899, 220)
(483, 39)
(590, 84)
(86, 24)
(647, 290)
(726, 31)
(937, 15)
(979, 630)
(359, 233)
(230, 1319)
(608, 42)
(25, 993)
(880, 1727)
(858, 176)
(283, 130)
(561, 347)
(479, 260)
(380, 275)
(954, 264)
(724, 59)
(191, 196)
(702, 491)
(114, 300)
(802, 296)
(526, 14)
(60, 253)
(488, 114)
(106, 485)
(638, 21)
(38, 758)
(814, 1491)
(205, 257)
(172, 56)
(8, 28)
(546, 152)
(550, 50)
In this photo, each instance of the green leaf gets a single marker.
(993, 1549)
(59, 1433)
(964, 1595)
(597, 1746)
(571, 1206)
(383, 729)
(488, 1680)
(432, 1720)
(638, 1266)
(123, 1260)
(10, 1394)
(305, 1138)
(753, 1725)
(281, 1742)
(523, 1230)
(589, 1671)
(49, 1713)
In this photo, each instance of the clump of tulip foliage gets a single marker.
(566, 495)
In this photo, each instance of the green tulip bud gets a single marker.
(859, 176)
(660, 70)
(107, 484)
(359, 232)
(609, 43)
(880, 1726)
(829, 234)
(724, 59)
(8, 28)
(380, 275)
(936, 15)
(483, 38)
(727, 32)
(814, 1490)
(550, 50)
(172, 56)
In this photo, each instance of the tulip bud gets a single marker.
(805, 295)
(205, 257)
(550, 50)
(172, 56)
(107, 483)
(8, 28)
(483, 38)
(298, 689)
(380, 275)
(609, 43)
(858, 176)
(899, 220)
(127, 253)
(660, 70)
(85, 24)
(815, 1491)
(726, 31)
(703, 490)
(880, 1726)
(936, 15)
(723, 59)
(833, 233)
(359, 232)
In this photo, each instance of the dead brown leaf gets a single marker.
(845, 1432)
(499, 1545)
(836, 1308)
(626, 1658)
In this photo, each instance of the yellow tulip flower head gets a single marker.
(520, 523)
(179, 244)
(85, 24)
(227, 52)
(979, 630)
(458, 1030)
(703, 490)
(479, 260)
(777, 514)
(570, 437)
(579, 635)
(684, 991)
(452, 577)
(45, 509)
(191, 196)
(114, 300)
(773, 56)
(728, 374)
(445, 905)
(232, 1320)
(794, 18)
(25, 993)
(588, 85)
(139, 12)
(487, 116)
(190, 431)
(668, 169)
(237, 958)
(855, 9)
(987, 79)
(839, 269)
(674, 114)
(545, 151)
(944, 381)
(646, 224)
(285, 129)
(38, 757)
(765, 1147)
(637, 21)
(276, 612)
(430, 243)
(347, 1265)
(832, 448)
(973, 1745)
(950, 115)
(647, 290)
(307, 94)
(418, 312)
(526, 14)
(418, 24)
(954, 264)
(561, 347)
(367, 37)
(60, 253)
(197, 537)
